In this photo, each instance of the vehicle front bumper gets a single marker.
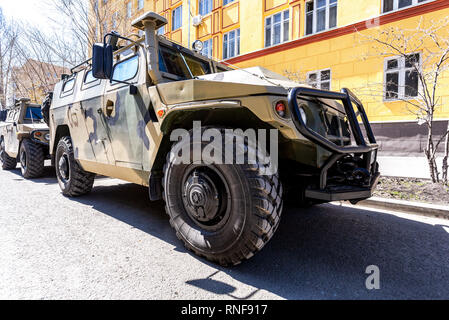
(363, 149)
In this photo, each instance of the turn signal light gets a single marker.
(161, 113)
(281, 109)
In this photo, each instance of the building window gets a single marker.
(320, 15)
(207, 48)
(320, 79)
(231, 44)
(129, 9)
(225, 2)
(205, 6)
(392, 5)
(139, 4)
(276, 28)
(401, 77)
(161, 31)
(176, 18)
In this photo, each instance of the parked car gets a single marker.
(24, 137)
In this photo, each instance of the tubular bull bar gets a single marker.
(368, 151)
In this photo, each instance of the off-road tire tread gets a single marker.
(35, 160)
(266, 192)
(9, 163)
(82, 181)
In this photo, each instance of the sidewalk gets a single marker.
(411, 167)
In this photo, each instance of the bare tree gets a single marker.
(8, 42)
(85, 23)
(423, 92)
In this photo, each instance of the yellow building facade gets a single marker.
(318, 41)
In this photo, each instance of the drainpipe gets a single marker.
(188, 43)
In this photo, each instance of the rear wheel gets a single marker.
(32, 159)
(7, 162)
(223, 212)
(72, 179)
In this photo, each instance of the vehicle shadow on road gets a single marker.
(48, 177)
(317, 253)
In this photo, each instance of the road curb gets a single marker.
(418, 208)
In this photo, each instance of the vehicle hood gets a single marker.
(33, 126)
(224, 85)
(228, 85)
(255, 76)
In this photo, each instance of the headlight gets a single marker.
(303, 115)
(47, 137)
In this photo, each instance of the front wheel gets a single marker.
(7, 162)
(223, 212)
(72, 179)
(32, 159)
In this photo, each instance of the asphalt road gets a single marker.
(115, 244)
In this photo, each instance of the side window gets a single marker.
(16, 115)
(126, 69)
(89, 77)
(68, 86)
(10, 116)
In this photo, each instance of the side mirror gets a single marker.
(102, 61)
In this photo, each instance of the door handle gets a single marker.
(110, 108)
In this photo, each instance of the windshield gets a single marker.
(33, 113)
(180, 64)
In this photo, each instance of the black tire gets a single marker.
(72, 179)
(243, 214)
(7, 162)
(31, 157)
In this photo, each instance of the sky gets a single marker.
(34, 12)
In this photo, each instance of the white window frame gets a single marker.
(401, 78)
(314, 22)
(209, 44)
(114, 20)
(129, 9)
(318, 81)
(140, 4)
(211, 6)
(229, 1)
(283, 20)
(396, 5)
(161, 31)
(172, 17)
(236, 44)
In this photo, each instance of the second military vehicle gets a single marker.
(117, 113)
(24, 137)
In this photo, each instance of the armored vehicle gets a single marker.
(131, 110)
(24, 137)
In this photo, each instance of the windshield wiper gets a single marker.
(188, 68)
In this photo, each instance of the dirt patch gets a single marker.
(418, 190)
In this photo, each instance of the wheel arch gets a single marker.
(241, 118)
(61, 131)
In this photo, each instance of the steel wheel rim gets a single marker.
(2, 152)
(64, 168)
(23, 159)
(206, 197)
